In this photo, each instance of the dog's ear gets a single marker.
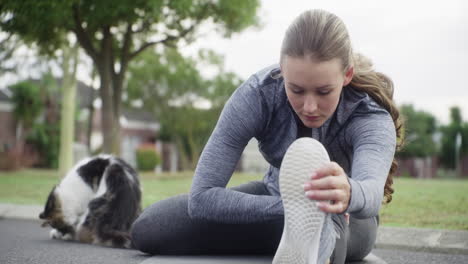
(50, 205)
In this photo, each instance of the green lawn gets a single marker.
(428, 203)
(33, 186)
(416, 203)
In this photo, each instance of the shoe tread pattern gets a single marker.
(303, 219)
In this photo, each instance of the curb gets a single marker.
(424, 240)
(14, 211)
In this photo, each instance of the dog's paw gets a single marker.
(67, 237)
(55, 234)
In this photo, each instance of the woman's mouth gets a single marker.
(311, 118)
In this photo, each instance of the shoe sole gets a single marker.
(303, 220)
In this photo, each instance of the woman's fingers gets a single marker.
(326, 195)
(337, 208)
(331, 168)
(329, 183)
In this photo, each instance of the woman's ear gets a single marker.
(348, 75)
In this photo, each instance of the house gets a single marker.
(137, 127)
(7, 121)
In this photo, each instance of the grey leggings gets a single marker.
(165, 228)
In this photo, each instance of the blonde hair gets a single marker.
(323, 36)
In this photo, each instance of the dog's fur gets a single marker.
(96, 202)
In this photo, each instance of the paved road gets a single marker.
(23, 241)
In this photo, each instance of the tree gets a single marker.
(449, 136)
(44, 136)
(172, 87)
(8, 45)
(67, 116)
(420, 127)
(30, 103)
(27, 105)
(113, 33)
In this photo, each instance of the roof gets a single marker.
(139, 115)
(4, 95)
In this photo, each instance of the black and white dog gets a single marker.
(96, 202)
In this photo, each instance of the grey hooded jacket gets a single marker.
(360, 137)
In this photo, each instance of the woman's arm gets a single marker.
(373, 139)
(243, 117)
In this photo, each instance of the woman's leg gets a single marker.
(342, 228)
(362, 236)
(356, 240)
(166, 228)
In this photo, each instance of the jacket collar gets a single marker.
(350, 100)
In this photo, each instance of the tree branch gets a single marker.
(143, 27)
(167, 41)
(83, 36)
(124, 52)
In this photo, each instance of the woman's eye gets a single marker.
(297, 91)
(325, 92)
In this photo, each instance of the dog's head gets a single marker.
(53, 214)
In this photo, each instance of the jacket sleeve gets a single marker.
(243, 117)
(373, 139)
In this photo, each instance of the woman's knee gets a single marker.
(161, 225)
(362, 237)
(140, 235)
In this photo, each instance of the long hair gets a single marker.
(323, 36)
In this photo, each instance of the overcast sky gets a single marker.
(421, 45)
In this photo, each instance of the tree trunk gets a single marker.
(67, 122)
(117, 82)
(111, 81)
(89, 127)
(107, 107)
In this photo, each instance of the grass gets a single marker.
(428, 203)
(437, 204)
(33, 186)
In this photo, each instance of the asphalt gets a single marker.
(414, 239)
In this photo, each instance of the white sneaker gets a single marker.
(303, 221)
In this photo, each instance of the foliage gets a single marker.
(114, 32)
(449, 136)
(45, 138)
(420, 128)
(27, 103)
(8, 45)
(35, 106)
(147, 158)
(172, 87)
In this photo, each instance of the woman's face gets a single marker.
(314, 87)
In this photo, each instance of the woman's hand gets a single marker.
(329, 183)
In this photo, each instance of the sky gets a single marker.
(421, 45)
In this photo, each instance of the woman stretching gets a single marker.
(326, 123)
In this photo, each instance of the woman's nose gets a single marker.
(310, 104)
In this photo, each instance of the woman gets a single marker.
(321, 90)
